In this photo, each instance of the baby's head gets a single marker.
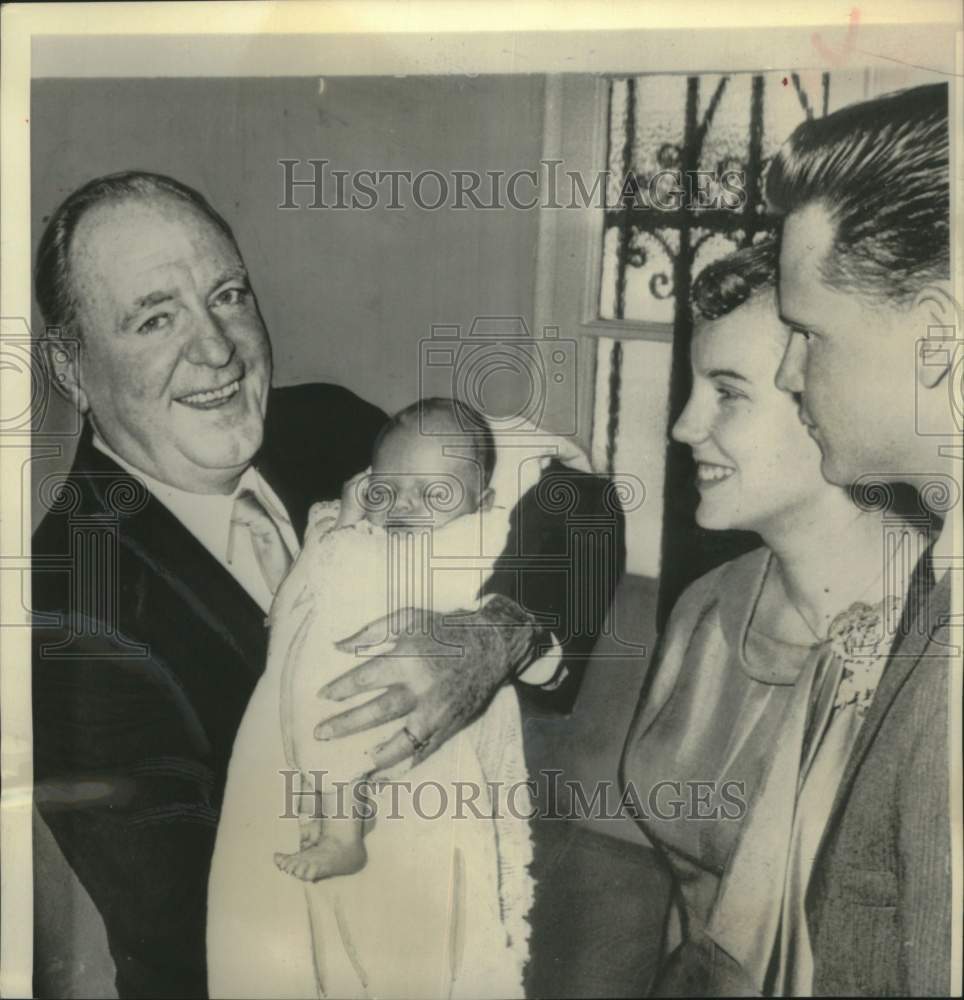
(431, 463)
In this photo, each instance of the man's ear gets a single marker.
(63, 357)
(487, 498)
(938, 317)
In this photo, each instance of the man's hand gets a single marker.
(439, 676)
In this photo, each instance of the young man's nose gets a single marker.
(209, 345)
(790, 373)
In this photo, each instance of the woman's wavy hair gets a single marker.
(880, 168)
(727, 283)
(52, 275)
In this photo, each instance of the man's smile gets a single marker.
(209, 399)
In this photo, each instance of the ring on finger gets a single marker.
(417, 745)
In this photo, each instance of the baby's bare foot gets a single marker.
(325, 859)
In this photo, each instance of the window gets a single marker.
(686, 159)
(618, 275)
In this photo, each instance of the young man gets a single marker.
(865, 287)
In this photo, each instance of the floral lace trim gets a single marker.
(860, 638)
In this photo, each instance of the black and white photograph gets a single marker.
(482, 495)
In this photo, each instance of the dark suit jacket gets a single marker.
(146, 651)
(879, 904)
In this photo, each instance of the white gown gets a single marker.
(440, 908)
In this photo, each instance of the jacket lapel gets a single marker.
(295, 500)
(904, 660)
(158, 542)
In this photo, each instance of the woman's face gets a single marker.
(756, 466)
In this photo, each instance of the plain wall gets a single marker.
(346, 295)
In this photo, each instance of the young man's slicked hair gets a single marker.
(52, 278)
(880, 169)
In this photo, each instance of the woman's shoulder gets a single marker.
(731, 579)
(697, 635)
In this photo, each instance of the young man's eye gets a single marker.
(154, 323)
(231, 296)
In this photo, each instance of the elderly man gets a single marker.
(864, 286)
(155, 566)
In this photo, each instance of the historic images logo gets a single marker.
(318, 186)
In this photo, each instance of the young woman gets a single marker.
(767, 664)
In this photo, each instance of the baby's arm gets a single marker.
(322, 518)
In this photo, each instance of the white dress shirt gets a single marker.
(208, 517)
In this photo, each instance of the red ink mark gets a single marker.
(785, 81)
(837, 57)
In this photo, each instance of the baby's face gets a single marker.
(413, 484)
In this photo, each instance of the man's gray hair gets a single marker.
(52, 277)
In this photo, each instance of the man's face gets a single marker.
(175, 363)
(852, 362)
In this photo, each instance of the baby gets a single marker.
(432, 898)
(365, 557)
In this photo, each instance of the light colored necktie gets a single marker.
(270, 550)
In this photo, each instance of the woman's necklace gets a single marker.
(858, 603)
(829, 616)
(856, 636)
(805, 620)
(820, 634)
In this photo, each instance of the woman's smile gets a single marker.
(711, 474)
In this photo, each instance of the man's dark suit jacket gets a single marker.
(879, 903)
(146, 651)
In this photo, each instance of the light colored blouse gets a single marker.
(709, 715)
(772, 721)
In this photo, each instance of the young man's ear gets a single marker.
(63, 357)
(938, 316)
(487, 498)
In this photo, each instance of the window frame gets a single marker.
(570, 240)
